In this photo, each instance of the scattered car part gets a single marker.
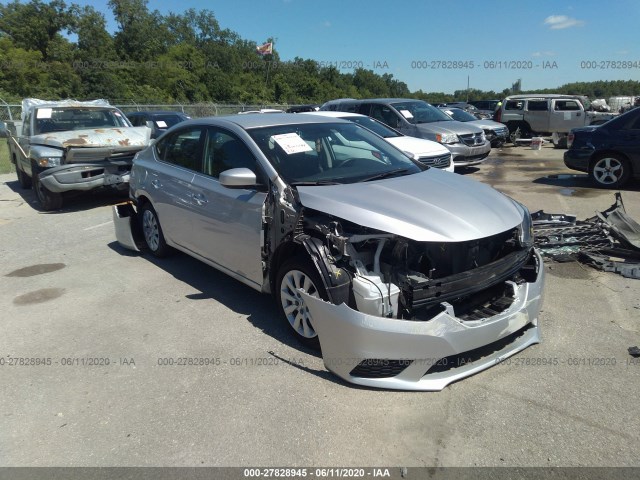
(610, 241)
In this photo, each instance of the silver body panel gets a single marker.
(349, 337)
(405, 207)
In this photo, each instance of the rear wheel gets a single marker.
(610, 171)
(152, 232)
(23, 179)
(299, 273)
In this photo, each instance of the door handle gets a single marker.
(155, 183)
(199, 199)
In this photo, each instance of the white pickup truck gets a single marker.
(548, 115)
(72, 146)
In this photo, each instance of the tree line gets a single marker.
(54, 50)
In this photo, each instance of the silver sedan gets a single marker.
(405, 276)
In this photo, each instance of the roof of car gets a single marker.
(333, 114)
(155, 112)
(543, 95)
(255, 120)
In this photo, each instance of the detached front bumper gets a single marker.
(424, 355)
(84, 176)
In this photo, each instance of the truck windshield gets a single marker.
(64, 119)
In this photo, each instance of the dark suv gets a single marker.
(162, 120)
(610, 153)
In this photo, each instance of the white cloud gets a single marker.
(558, 22)
(543, 54)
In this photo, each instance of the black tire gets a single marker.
(561, 144)
(299, 272)
(609, 170)
(152, 232)
(23, 179)
(49, 200)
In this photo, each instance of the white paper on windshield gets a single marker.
(291, 143)
(161, 124)
(44, 113)
(406, 113)
(567, 115)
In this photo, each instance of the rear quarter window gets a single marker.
(538, 105)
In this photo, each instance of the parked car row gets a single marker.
(467, 143)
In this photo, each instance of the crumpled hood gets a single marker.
(431, 206)
(118, 138)
(487, 124)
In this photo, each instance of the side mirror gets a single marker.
(3, 130)
(238, 178)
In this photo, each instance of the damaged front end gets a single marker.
(88, 159)
(418, 315)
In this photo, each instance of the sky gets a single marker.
(441, 46)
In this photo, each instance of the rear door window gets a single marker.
(183, 148)
(538, 105)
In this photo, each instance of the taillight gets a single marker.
(570, 138)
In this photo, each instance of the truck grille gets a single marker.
(472, 139)
(440, 161)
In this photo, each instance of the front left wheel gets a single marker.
(298, 273)
(48, 200)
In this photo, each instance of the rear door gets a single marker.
(565, 115)
(627, 140)
(227, 223)
(538, 114)
(168, 182)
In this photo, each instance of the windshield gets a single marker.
(329, 153)
(166, 121)
(65, 118)
(459, 115)
(417, 111)
(374, 126)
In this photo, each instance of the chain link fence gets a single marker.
(10, 112)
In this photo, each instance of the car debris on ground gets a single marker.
(609, 241)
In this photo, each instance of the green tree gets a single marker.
(36, 25)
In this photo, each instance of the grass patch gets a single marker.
(5, 164)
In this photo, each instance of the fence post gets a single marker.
(8, 109)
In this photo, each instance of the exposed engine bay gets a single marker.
(390, 276)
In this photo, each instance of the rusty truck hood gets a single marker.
(120, 137)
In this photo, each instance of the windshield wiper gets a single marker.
(390, 173)
(313, 183)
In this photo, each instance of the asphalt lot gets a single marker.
(70, 293)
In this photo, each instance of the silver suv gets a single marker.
(467, 143)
